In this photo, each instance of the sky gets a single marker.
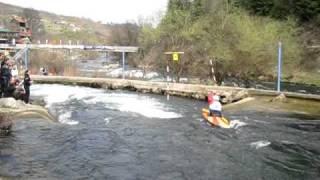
(106, 11)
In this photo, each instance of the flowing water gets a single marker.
(124, 135)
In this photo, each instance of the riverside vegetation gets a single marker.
(240, 36)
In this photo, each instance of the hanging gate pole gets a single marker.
(168, 80)
(123, 64)
(212, 71)
(279, 67)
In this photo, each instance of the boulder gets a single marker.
(11, 109)
(12, 103)
(281, 98)
(237, 96)
(5, 123)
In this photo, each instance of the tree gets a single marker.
(304, 10)
(184, 5)
(125, 34)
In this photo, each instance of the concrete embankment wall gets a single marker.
(184, 90)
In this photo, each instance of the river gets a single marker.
(123, 135)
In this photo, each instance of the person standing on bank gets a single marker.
(27, 83)
(5, 77)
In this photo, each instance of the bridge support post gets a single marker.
(123, 64)
(26, 58)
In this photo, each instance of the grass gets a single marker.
(307, 78)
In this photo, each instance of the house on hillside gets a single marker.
(19, 24)
(75, 28)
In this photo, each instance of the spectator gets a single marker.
(27, 83)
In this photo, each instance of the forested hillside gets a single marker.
(240, 36)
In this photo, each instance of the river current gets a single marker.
(123, 135)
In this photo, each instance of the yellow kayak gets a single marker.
(216, 121)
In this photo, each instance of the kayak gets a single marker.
(216, 121)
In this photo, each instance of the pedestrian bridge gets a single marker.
(70, 47)
(23, 49)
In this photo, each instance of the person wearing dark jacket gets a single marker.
(5, 77)
(27, 83)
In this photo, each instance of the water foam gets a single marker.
(66, 119)
(143, 105)
(235, 124)
(107, 121)
(260, 144)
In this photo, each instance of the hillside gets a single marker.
(57, 27)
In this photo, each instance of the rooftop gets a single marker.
(19, 19)
(2, 30)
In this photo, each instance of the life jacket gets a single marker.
(214, 103)
(210, 98)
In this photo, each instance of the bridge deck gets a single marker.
(82, 47)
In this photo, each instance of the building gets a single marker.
(6, 35)
(17, 32)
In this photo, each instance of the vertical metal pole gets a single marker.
(123, 64)
(279, 66)
(168, 80)
(26, 56)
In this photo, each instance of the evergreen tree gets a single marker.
(198, 9)
(179, 5)
(304, 10)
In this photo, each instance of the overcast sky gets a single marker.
(117, 11)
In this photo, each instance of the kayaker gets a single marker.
(215, 106)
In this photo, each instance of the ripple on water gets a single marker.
(305, 126)
(295, 159)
